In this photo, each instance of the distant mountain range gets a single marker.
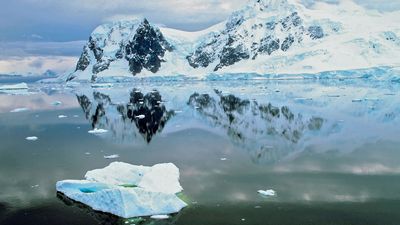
(265, 37)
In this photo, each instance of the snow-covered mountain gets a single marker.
(265, 37)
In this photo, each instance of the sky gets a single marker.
(51, 29)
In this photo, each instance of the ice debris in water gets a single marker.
(128, 190)
(62, 116)
(19, 110)
(267, 192)
(97, 131)
(33, 138)
(19, 86)
(111, 156)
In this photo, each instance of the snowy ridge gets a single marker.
(265, 37)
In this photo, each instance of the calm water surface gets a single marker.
(329, 149)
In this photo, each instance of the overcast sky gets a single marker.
(70, 20)
(31, 30)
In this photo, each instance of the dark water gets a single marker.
(329, 150)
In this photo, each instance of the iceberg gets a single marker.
(267, 192)
(127, 190)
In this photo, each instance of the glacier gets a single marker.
(127, 190)
(267, 39)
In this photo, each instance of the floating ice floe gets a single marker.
(19, 110)
(111, 156)
(267, 192)
(62, 116)
(127, 190)
(97, 131)
(20, 86)
(33, 138)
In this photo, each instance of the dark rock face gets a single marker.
(269, 45)
(145, 111)
(232, 55)
(146, 49)
(229, 46)
(84, 60)
(316, 32)
(287, 43)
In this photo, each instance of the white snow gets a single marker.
(19, 110)
(267, 192)
(116, 189)
(19, 86)
(33, 138)
(97, 131)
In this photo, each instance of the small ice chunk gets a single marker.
(140, 117)
(224, 159)
(267, 192)
(178, 111)
(19, 110)
(35, 186)
(62, 116)
(111, 156)
(159, 217)
(75, 116)
(33, 138)
(56, 103)
(97, 131)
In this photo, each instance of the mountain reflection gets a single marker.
(268, 132)
(144, 114)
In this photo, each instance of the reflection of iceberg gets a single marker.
(270, 133)
(128, 191)
(144, 114)
(109, 219)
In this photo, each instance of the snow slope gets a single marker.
(265, 37)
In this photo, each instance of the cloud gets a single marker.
(75, 19)
(37, 65)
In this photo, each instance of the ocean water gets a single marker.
(330, 149)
